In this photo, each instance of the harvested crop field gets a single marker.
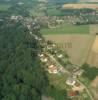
(93, 57)
(93, 54)
(95, 45)
(77, 46)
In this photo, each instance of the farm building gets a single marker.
(52, 69)
(44, 59)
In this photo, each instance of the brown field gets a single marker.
(93, 57)
(80, 6)
(93, 54)
(77, 46)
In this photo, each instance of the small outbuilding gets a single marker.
(60, 56)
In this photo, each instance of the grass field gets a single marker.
(4, 7)
(61, 88)
(67, 29)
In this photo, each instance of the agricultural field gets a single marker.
(67, 29)
(80, 6)
(93, 57)
(93, 54)
(77, 46)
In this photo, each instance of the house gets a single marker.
(41, 55)
(60, 56)
(53, 45)
(52, 69)
(14, 17)
(44, 59)
(73, 93)
(40, 39)
(70, 81)
(59, 21)
(19, 17)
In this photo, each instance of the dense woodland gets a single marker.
(21, 73)
(22, 76)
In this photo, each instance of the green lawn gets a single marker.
(58, 80)
(59, 91)
(4, 7)
(67, 29)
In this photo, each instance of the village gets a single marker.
(55, 68)
(61, 72)
(68, 49)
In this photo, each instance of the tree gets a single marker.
(21, 73)
(90, 71)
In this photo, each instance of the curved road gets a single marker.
(87, 90)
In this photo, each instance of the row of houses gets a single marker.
(52, 68)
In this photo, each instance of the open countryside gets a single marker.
(67, 29)
(48, 50)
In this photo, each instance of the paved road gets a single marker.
(90, 95)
